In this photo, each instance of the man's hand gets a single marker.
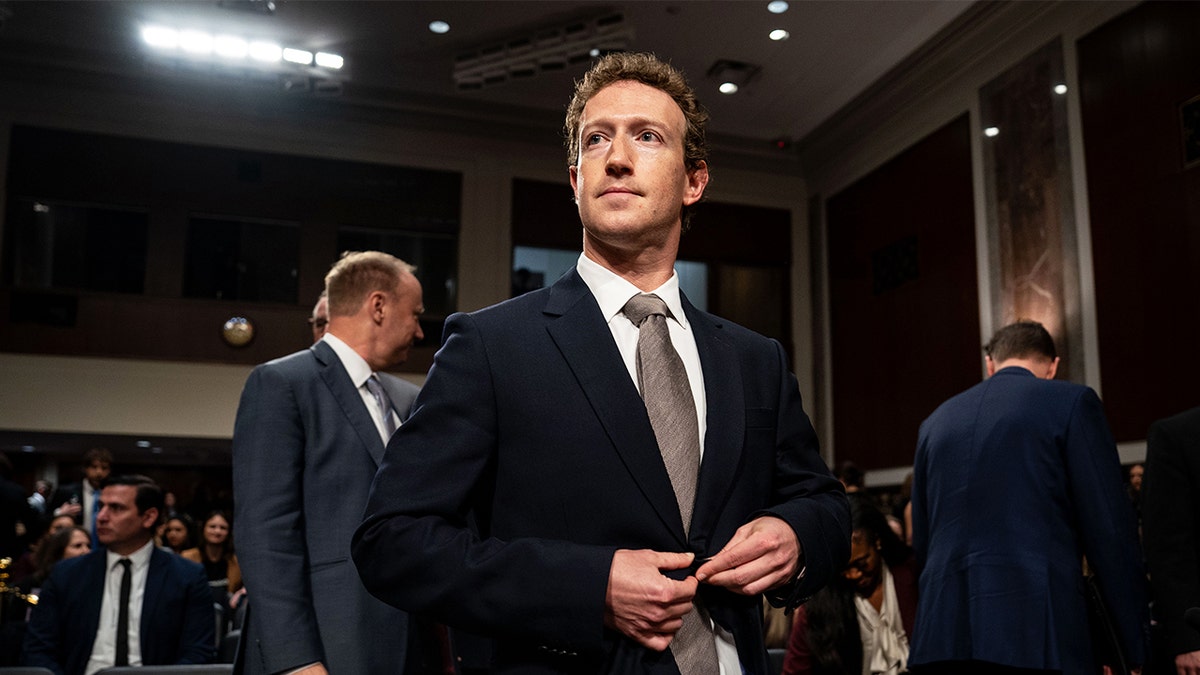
(763, 553)
(68, 510)
(314, 669)
(642, 603)
(1188, 663)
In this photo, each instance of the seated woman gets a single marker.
(859, 624)
(217, 556)
(67, 542)
(177, 533)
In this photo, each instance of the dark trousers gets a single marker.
(974, 668)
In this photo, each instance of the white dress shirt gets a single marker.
(885, 645)
(104, 649)
(611, 293)
(356, 366)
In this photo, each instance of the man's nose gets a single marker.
(619, 161)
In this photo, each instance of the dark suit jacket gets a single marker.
(177, 623)
(304, 452)
(530, 421)
(1171, 525)
(1015, 480)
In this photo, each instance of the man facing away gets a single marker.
(611, 533)
(1015, 481)
(128, 603)
(310, 432)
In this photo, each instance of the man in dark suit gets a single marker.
(167, 611)
(1015, 480)
(79, 500)
(582, 556)
(309, 435)
(1171, 522)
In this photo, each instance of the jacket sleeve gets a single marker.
(198, 637)
(268, 472)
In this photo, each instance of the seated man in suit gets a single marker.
(640, 472)
(129, 603)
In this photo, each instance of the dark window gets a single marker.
(65, 246)
(229, 259)
(434, 255)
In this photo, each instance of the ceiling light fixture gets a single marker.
(549, 49)
(197, 51)
(732, 76)
(779, 34)
(777, 7)
(1060, 89)
(439, 27)
(991, 132)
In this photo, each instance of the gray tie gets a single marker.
(672, 410)
(385, 405)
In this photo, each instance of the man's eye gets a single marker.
(594, 139)
(648, 136)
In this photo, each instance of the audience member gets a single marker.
(1015, 480)
(177, 533)
(15, 513)
(531, 419)
(1171, 513)
(859, 623)
(37, 500)
(852, 477)
(69, 542)
(320, 316)
(129, 603)
(81, 500)
(310, 432)
(1134, 487)
(216, 554)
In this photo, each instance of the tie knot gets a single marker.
(643, 305)
(125, 562)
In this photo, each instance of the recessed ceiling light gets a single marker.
(728, 88)
(1060, 89)
(195, 42)
(265, 51)
(327, 60)
(439, 27)
(160, 36)
(779, 34)
(301, 56)
(777, 7)
(991, 132)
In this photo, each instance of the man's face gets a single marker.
(119, 522)
(96, 472)
(1135, 476)
(320, 318)
(402, 322)
(630, 180)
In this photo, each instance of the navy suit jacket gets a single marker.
(1015, 480)
(304, 452)
(178, 619)
(530, 422)
(1171, 519)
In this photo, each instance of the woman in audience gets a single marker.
(67, 542)
(177, 534)
(220, 563)
(859, 623)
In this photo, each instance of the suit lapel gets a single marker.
(334, 374)
(725, 405)
(94, 575)
(579, 331)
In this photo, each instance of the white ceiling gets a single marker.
(837, 48)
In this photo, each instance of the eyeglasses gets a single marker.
(318, 323)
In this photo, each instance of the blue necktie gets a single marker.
(95, 512)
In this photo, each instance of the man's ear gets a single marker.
(991, 366)
(376, 301)
(1052, 369)
(573, 171)
(149, 518)
(697, 181)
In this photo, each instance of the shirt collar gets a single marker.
(612, 292)
(355, 365)
(140, 557)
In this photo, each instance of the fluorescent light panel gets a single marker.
(201, 44)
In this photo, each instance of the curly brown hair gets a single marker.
(649, 70)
